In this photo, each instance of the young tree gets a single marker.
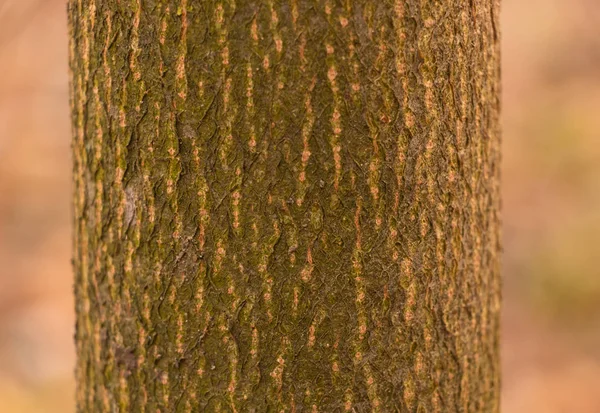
(286, 205)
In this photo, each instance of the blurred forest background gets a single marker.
(551, 189)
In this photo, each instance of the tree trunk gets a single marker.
(286, 205)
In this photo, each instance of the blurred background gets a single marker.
(551, 190)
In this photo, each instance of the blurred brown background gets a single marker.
(551, 119)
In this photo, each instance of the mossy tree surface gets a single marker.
(286, 205)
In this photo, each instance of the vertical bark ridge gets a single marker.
(286, 206)
(80, 241)
(96, 244)
(334, 139)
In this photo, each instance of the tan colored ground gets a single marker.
(551, 336)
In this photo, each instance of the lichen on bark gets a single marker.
(286, 205)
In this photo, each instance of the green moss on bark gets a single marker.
(286, 205)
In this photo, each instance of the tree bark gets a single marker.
(286, 205)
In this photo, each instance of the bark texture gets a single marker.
(286, 205)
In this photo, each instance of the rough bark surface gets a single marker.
(286, 205)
